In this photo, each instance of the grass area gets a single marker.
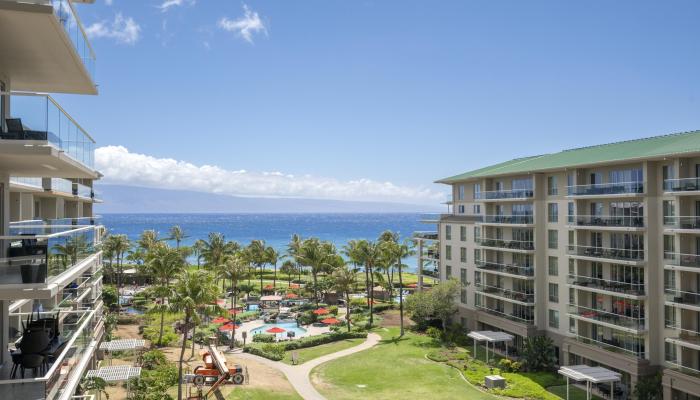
(574, 392)
(393, 367)
(311, 353)
(245, 393)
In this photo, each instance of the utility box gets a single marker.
(495, 382)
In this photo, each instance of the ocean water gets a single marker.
(275, 229)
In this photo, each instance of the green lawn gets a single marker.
(574, 393)
(393, 369)
(310, 353)
(244, 393)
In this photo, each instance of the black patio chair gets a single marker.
(35, 362)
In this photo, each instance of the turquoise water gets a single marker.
(253, 307)
(287, 326)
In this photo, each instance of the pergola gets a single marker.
(134, 345)
(591, 375)
(490, 337)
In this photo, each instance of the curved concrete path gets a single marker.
(298, 375)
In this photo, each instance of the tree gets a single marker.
(234, 269)
(272, 256)
(177, 234)
(397, 252)
(257, 257)
(163, 264)
(420, 307)
(194, 290)
(649, 388)
(214, 251)
(74, 248)
(370, 254)
(288, 269)
(95, 384)
(344, 280)
(317, 256)
(443, 296)
(293, 251)
(118, 245)
(197, 250)
(147, 239)
(538, 353)
(388, 241)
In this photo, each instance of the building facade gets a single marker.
(597, 248)
(51, 265)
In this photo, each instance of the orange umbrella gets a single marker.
(292, 296)
(228, 327)
(220, 320)
(330, 321)
(275, 329)
(237, 310)
(269, 287)
(320, 311)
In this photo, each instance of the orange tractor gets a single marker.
(216, 372)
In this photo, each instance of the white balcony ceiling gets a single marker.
(21, 158)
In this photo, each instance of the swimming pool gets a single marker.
(287, 326)
(253, 307)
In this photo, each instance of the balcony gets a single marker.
(523, 298)
(686, 337)
(512, 270)
(620, 255)
(679, 186)
(507, 220)
(431, 255)
(50, 51)
(632, 323)
(607, 221)
(686, 262)
(79, 333)
(516, 194)
(607, 286)
(683, 298)
(429, 218)
(621, 189)
(432, 273)
(688, 223)
(83, 191)
(634, 347)
(514, 245)
(425, 235)
(43, 140)
(524, 318)
(34, 183)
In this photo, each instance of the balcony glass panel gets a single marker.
(513, 269)
(627, 321)
(606, 189)
(627, 344)
(522, 297)
(61, 185)
(610, 220)
(607, 284)
(605, 252)
(508, 219)
(82, 190)
(682, 260)
(523, 318)
(44, 120)
(682, 297)
(688, 222)
(505, 194)
(64, 11)
(428, 235)
(26, 181)
(682, 185)
(506, 244)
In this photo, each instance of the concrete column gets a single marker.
(15, 206)
(4, 331)
(540, 257)
(26, 206)
(654, 279)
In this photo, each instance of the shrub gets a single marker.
(437, 356)
(151, 332)
(358, 303)
(434, 333)
(270, 351)
(538, 353)
(333, 310)
(378, 308)
(263, 338)
(276, 351)
(509, 365)
(153, 359)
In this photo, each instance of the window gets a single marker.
(463, 296)
(476, 209)
(553, 212)
(572, 325)
(460, 192)
(552, 185)
(571, 211)
(554, 319)
(448, 252)
(521, 184)
(477, 233)
(448, 272)
(572, 266)
(669, 210)
(669, 279)
(553, 266)
(477, 255)
(571, 240)
(463, 276)
(572, 296)
(670, 352)
(463, 233)
(554, 293)
(552, 239)
(669, 247)
(477, 190)
(460, 209)
(668, 172)
(448, 232)
(670, 316)
(463, 254)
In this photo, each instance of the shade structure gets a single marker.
(330, 321)
(490, 337)
(591, 375)
(275, 329)
(123, 345)
(220, 320)
(320, 311)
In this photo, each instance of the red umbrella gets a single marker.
(237, 310)
(269, 287)
(320, 311)
(227, 327)
(292, 296)
(220, 320)
(330, 321)
(275, 329)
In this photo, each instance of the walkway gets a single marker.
(298, 375)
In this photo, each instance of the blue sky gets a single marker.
(376, 99)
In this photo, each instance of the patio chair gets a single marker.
(35, 362)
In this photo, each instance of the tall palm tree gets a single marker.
(387, 241)
(214, 252)
(147, 239)
(234, 269)
(258, 257)
(397, 252)
(354, 253)
(317, 256)
(177, 234)
(293, 249)
(118, 245)
(370, 254)
(288, 268)
(197, 249)
(72, 249)
(194, 290)
(164, 263)
(272, 256)
(344, 280)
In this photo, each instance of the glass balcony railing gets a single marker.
(637, 289)
(61, 185)
(513, 269)
(675, 365)
(507, 244)
(82, 191)
(609, 220)
(626, 321)
(508, 219)
(504, 194)
(678, 222)
(523, 318)
(510, 294)
(598, 189)
(431, 254)
(33, 182)
(64, 11)
(682, 185)
(605, 252)
(426, 235)
(682, 297)
(38, 253)
(42, 119)
(633, 346)
(682, 260)
(433, 273)
(686, 335)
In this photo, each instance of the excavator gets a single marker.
(215, 372)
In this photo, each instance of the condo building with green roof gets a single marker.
(596, 247)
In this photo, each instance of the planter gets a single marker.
(33, 273)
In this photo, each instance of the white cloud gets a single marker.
(168, 4)
(245, 26)
(109, 2)
(121, 166)
(122, 29)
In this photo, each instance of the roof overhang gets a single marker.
(30, 158)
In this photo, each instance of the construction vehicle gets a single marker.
(216, 372)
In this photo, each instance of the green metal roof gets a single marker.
(657, 146)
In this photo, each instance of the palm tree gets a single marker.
(258, 257)
(370, 254)
(177, 234)
(118, 245)
(214, 252)
(344, 280)
(288, 269)
(399, 251)
(197, 249)
(194, 290)
(272, 257)
(73, 249)
(293, 250)
(387, 240)
(164, 263)
(318, 256)
(354, 252)
(234, 269)
(147, 239)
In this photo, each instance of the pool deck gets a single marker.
(249, 326)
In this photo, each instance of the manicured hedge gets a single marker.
(275, 352)
(263, 338)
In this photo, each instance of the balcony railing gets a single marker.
(606, 252)
(38, 253)
(513, 269)
(507, 244)
(64, 11)
(677, 366)
(631, 347)
(637, 289)
(44, 120)
(682, 297)
(523, 318)
(61, 185)
(685, 335)
(504, 194)
(27, 181)
(508, 219)
(601, 189)
(682, 185)
(426, 235)
(678, 222)
(610, 220)
(522, 297)
(682, 260)
(632, 322)
(433, 273)
(82, 191)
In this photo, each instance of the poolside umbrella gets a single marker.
(292, 296)
(330, 321)
(228, 326)
(237, 310)
(275, 329)
(320, 311)
(220, 320)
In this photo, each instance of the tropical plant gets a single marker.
(163, 263)
(94, 384)
(370, 254)
(235, 270)
(72, 249)
(397, 252)
(257, 256)
(272, 256)
(118, 245)
(344, 280)
(538, 353)
(197, 251)
(649, 388)
(318, 256)
(177, 234)
(293, 251)
(147, 239)
(288, 268)
(214, 252)
(443, 297)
